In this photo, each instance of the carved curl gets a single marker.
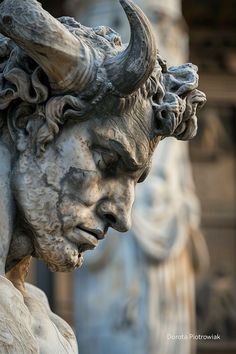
(175, 112)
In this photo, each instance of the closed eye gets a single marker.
(105, 159)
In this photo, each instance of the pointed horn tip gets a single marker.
(143, 43)
(129, 5)
(131, 8)
(126, 3)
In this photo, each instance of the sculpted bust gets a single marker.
(80, 117)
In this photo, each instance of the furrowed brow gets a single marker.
(126, 156)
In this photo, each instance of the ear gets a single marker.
(177, 116)
(176, 112)
(187, 129)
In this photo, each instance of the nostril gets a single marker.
(110, 218)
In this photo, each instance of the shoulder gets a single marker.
(50, 330)
(15, 321)
(38, 294)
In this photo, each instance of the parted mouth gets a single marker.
(98, 233)
(85, 238)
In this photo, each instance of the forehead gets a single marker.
(129, 132)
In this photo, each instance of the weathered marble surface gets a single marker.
(80, 117)
(28, 326)
(145, 280)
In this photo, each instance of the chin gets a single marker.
(59, 254)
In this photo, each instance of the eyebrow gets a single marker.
(122, 151)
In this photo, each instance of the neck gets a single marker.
(18, 274)
(6, 204)
(14, 245)
(20, 247)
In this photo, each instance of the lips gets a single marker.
(85, 239)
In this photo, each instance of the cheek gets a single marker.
(82, 186)
(72, 213)
(38, 203)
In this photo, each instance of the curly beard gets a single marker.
(39, 206)
(59, 254)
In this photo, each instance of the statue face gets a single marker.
(82, 185)
(84, 182)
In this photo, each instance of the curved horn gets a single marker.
(131, 68)
(66, 60)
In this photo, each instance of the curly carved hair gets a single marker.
(26, 100)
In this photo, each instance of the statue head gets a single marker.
(82, 115)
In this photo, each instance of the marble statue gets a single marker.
(145, 280)
(80, 117)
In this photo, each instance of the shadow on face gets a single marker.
(81, 185)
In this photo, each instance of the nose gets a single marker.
(116, 217)
(115, 210)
